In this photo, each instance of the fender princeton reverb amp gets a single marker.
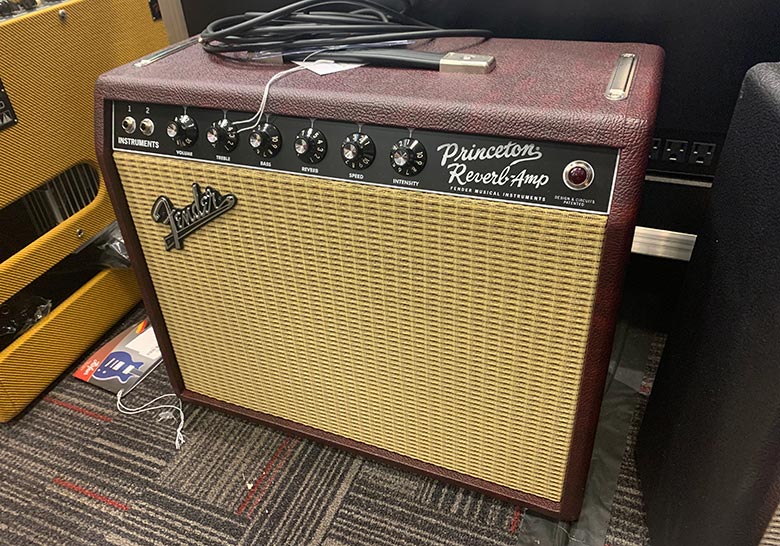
(423, 267)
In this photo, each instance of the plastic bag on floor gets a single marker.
(19, 315)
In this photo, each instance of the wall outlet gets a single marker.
(655, 149)
(702, 153)
(675, 150)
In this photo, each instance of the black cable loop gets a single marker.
(296, 29)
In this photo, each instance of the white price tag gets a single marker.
(146, 345)
(324, 66)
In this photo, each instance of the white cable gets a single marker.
(255, 120)
(571, 537)
(149, 407)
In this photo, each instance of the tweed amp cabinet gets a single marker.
(52, 197)
(422, 267)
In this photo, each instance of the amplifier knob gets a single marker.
(222, 135)
(310, 145)
(183, 130)
(266, 141)
(358, 151)
(408, 157)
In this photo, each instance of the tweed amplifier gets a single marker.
(419, 266)
(52, 199)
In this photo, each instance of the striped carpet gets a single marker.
(73, 471)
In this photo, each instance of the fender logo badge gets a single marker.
(206, 205)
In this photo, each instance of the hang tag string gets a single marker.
(255, 120)
(149, 406)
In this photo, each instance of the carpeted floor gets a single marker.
(627, 525)
(74, 471)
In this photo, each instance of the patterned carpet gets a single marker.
(74, 471)
(627, 525)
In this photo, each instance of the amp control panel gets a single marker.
(540, 173)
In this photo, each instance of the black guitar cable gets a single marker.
(368, 34)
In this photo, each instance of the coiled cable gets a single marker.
(315, 29)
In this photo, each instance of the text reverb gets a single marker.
(456, 159)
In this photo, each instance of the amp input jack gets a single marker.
(128, 125)
(146, 126)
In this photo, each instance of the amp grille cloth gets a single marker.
(448, 329)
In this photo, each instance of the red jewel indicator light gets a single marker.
(578, 175)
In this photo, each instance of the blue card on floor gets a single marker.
(122, 362)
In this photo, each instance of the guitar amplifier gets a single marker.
(422, 267)
(52, 197)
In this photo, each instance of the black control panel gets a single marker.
(549, 174)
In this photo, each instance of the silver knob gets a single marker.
(255, 140)
(349, 151)
(401, 157)
(301, 146)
